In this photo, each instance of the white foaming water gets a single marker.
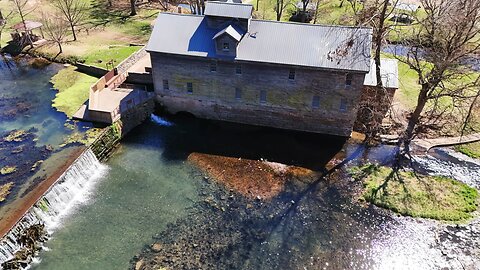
(160, 121)
(452, 164)
(71, 189)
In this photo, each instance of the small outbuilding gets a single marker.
(24, 32)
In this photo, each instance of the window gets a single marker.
(291, 74)
(165, 85)
(316, 102)
(226, 47)
(238, 69)
(213, 67)
(238, 93)
(190, 87)
(343, 105)
(263, 96)
(348, 79)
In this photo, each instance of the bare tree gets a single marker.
(448, 32)
(375, 14)
(280, 6)
(133, 9)
(317, 7)
(3, 23)
(73, 11)
(22, 8)
(56, 29)
(197, 6)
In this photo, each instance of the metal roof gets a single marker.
(407, 7)
(317, 46)
(28, 26)
(388, 71)
(231, 32)
(228, 9)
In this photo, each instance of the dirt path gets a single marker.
(423, 145)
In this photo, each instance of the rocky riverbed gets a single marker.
(315, 224)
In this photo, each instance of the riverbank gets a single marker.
(412, 194)
(472, 149)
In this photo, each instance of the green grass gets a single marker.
(114, 53)
(8, 170)
(5, 190)
(413, 195)
(73, 88)
(472, 149)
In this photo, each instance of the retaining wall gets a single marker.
(91, 70)
(130, 61)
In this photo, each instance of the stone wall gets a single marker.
(288, 102)
(374, 105)
(130, 61)
(104, 145)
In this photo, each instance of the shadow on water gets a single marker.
(190, 135)
(310, 225)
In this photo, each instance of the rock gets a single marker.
(157, 247)
(139, 265)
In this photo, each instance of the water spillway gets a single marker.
(71, 188)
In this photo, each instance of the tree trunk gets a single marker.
(415, 118)
(60, 47)
(279, 9)
(73, 32)
(378, 42)
(133, 10)
(317, 4)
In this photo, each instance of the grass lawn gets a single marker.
(110, 32)
(471, 149)
(73, 88)
(416, 195)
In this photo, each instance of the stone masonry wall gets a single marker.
(104, 145)
(288, 102)
(131, 60)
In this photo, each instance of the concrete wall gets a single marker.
(288, 102)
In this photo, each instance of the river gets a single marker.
(36, 130)
(149, 192)
(152, 193)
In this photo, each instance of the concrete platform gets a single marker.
(142, 65)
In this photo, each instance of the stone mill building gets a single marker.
(225, 65)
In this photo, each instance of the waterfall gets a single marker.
(72, 188)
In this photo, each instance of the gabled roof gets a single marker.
(407, 7)
(28, 26)
(388, 71)
(231, 31)
(307, 45)
(228, 9)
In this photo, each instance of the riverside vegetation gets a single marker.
(416, 195)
